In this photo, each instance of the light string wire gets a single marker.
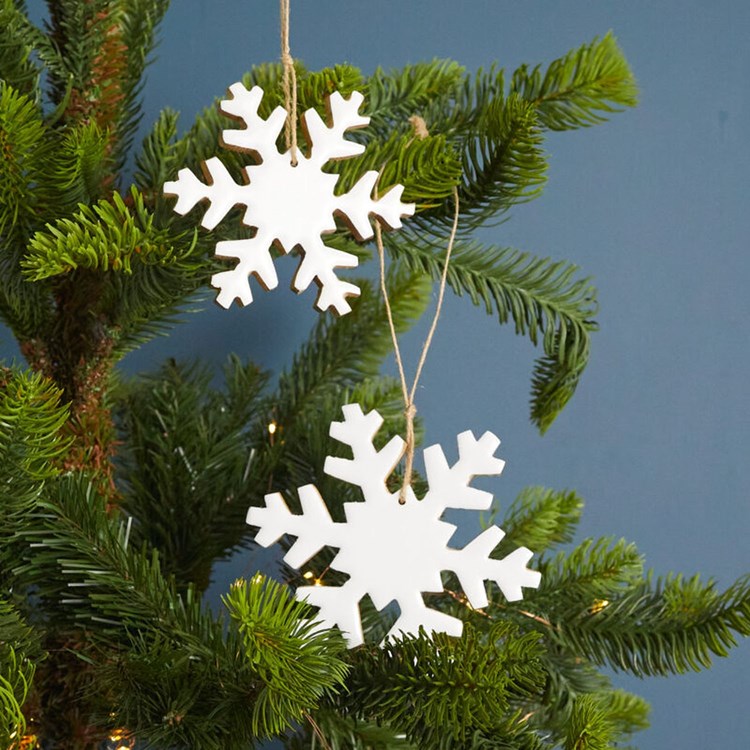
(410, 410)
(289, 83)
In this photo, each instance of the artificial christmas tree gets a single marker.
(119, 496)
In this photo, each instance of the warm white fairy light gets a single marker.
(121, 739)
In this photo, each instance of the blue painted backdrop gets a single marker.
(654, 205)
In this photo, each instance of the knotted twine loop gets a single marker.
(289, 83)
(410, 410)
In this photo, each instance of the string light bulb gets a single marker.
(28, 742)
(120, 739)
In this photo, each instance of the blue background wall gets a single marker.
(653, 204)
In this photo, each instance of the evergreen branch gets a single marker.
(24, 308)
(155, 162)
(45, 172)
(107, 235)
(103, 50)
(568, 678)
(147, 641)
(428, 168)
(339, 732)
(45, 48)
(513, 733)
(287, 651)
(31, 420)
(594, 570)
(144, 273)
(16, 675)
(18, 645)
(627, 713)
(553, 384)
(461, 686)
(590, 727)
(138, 19)
(539, 518)
(15, 632)
(81, 561)
(581, 88)
(149, 302)
(78, 169)
(498, 132)
(172, 696)
(542, 297)
(440, 93)
(676, 625)
(188, 458)
(70, 31)
(31, 417)
(395, 96)
(462, 110)
(24, 150)
(313, 87)
(503, 163)
(17, 67)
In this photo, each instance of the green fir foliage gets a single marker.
(31, 442)
(455, 687)
(543, 298)
(590, 727)
(15, 679)
(105, 236)
(18, 644)
(104, 560)
(17, 67)
(190, 453)
(22, 144)
(289, 653)
(580, 89)
(160, 653)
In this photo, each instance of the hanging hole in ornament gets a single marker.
(283, 147)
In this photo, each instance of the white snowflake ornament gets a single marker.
(395, 552)
(290, 205)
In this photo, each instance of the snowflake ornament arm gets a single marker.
(394, 552)
(473, 565)
(369, 469)
(290, 205)
(314, 528)
(450, 486)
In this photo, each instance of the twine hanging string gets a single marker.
(289, 83)
(290, 135)
(410, 410)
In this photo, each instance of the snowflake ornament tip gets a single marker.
(394, 552)
(289, 205)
